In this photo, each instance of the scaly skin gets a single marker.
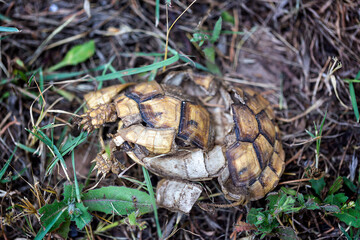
(96, 117)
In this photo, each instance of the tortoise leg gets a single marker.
(95, 117)
(106, 163)
(101, 109)
(176, 195)
(104, 95)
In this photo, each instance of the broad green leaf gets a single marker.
(273, 199)
(357, 203)
(81, 216)
(210, 54)
(350, 216)
(53, 223)
(252, 216)
(331, 208)
(337, 199)
(217, 29)
(286, 233)
(318, 185)
(20, 63)
(338, 183)
(282, 200)
(69, 192)
(117, 200)
(289, 191)
(132, 218)
(77, 54)
(228, 17)
(213, 68)
(300, 198)
(311, 204)
(51, 211)
(210, 60)
(64, 229)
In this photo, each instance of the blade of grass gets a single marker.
(157, 12)
(137, 182)
(66, 75)
(41, 85)
(353, 101)
(26, 148)
(14, 177)
(353, 97)
(3, 170)
(153, 72)
(77, 190)
(352, 80)
(5, 18)
(41, 234)
(153, 201)
(133, 71)
(8, 29)
(195, 64)
(112, 69)
(42, 137)
(72, 143)
(318, 141)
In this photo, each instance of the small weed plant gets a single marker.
(272, 220)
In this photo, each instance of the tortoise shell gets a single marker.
(254, 152)
(154, 116)
(160, 119)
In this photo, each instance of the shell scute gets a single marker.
(145, 91)
(161, 112)
(246, 125)
(243, 162)
(195, 125)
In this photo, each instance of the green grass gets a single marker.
(317, 138)
(353, 95)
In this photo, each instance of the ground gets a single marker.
(303, 56)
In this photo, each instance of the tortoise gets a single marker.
(175, 136)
